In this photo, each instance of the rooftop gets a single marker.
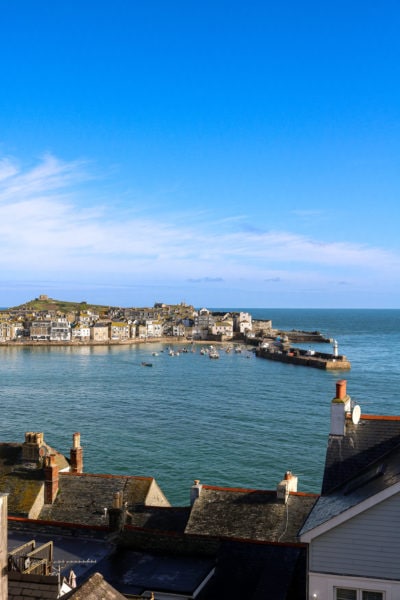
(249, 514)
(362, 444)
(83, 498)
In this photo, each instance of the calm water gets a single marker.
(235, 421)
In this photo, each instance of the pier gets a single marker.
(305, 358)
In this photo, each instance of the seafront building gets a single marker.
(223, 541)
(353, 530)
(122, 325)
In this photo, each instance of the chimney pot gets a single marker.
(341, 389)
(195, 491)
(339, 406)
(76, 454)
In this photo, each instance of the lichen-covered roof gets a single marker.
(23, 481)
(249, 514)
(82, 498)
(23, 487)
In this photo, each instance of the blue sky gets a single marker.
(218, 153)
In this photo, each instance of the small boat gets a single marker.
(147, 364)
(213, 353)
(154, 353)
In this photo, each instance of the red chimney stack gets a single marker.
(76, 454)
(50, 479)
(341, 389)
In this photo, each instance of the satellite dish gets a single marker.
(356, 414)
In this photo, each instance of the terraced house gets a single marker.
(119, 330)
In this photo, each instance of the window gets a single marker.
(372, 595)
(345, 594)
(352, 594)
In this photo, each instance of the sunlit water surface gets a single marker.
(238, 421)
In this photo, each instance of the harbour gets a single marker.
(233, 421)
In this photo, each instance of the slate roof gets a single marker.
(34, 587)
(248, 514)
(361, 445)
(249, 571)
(95, 588)
(160, 518)
(133, 572)
(82, 498)
(370, 464)
(22, 481)
(73, 549)
(23, 487)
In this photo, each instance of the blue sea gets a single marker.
(238, 421)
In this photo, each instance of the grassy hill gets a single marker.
(46, 303)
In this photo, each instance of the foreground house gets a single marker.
(44, 484)
(353, 531)
(227, 543)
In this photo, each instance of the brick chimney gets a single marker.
(31, 448)
(76, 454)
(339, 406)
(50, 479)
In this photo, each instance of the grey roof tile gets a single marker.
(248, 514)
(362, 444)
(363, 463)
(82, 498)
(95, 588)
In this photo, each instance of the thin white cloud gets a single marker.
(47, 229)
(7, 168)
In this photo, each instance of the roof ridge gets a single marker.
(106, 476)
(237, 489)
(380, 417)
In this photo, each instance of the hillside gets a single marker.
(44, 303)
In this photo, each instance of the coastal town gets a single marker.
(85, 324)
(42, 322)
(70, 534)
